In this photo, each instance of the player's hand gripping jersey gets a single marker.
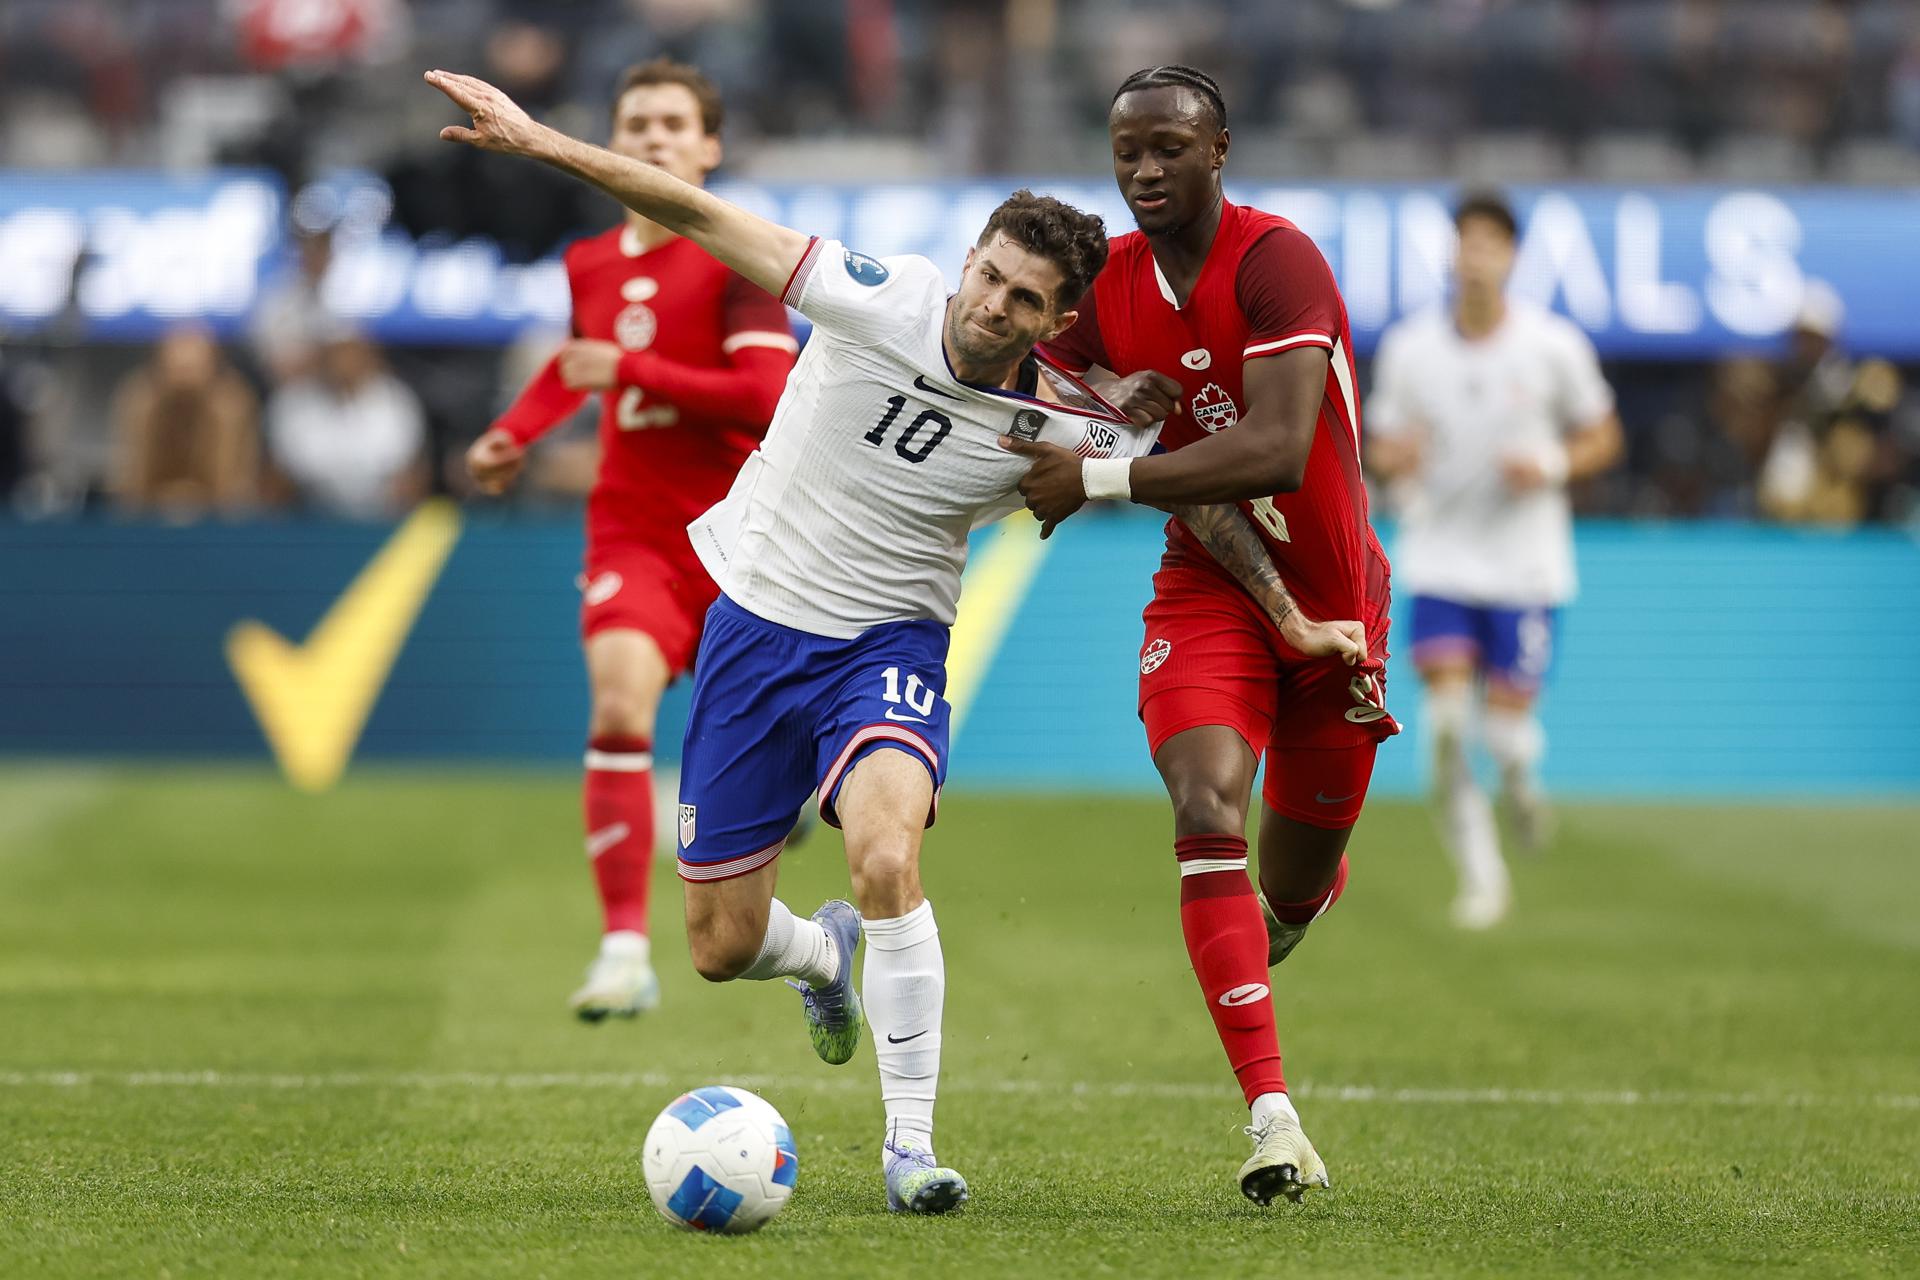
(880, 462)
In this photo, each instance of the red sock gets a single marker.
(619, 807)
(1227, 942)
(1315, 907)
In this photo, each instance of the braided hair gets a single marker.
(1175, 76)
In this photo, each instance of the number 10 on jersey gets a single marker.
(917, 696)
(911, 444)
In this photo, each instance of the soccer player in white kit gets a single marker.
(1481, 414)
(839, 552)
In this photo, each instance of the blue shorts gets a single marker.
(1513, 646)
(779, 713)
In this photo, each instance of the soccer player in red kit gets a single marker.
(689, 360)
(1226, 322)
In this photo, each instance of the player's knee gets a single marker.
(1204, 806)
(885, 877)
(719, 955)
(621, 713)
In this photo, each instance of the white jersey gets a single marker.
(1464, 534)
(879, 462)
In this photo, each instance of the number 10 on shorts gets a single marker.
(916, 696)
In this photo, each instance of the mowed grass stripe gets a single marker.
(1304, 1090)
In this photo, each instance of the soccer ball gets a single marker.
(720, 1159)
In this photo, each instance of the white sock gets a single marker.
(1269, 1105)
(625, 944)
(793, 948)
(1516, 742)
(904, 985)
(1466, 816)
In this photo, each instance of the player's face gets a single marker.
(1485, 256)
(660, 124)
(1166, 157)
(1008, 300)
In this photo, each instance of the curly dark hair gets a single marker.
(1072, 240)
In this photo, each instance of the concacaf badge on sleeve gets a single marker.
(1027, 424)
(865, 270)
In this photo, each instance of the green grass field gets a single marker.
(250, 1033)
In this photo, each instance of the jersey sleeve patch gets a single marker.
(864, 270)
(858, 301)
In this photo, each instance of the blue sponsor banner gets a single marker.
(1679, 273)
(133, 253)
(1700, 661)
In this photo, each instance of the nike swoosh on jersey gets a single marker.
(921, 382)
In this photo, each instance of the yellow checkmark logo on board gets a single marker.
(313, 699)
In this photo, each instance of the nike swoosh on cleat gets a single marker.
(921, 382)
(893, 1039)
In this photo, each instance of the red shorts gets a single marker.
(1213, 657)
(630, 585)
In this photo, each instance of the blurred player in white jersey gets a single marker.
(1480, 416)
(838, 553)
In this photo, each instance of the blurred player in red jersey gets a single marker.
(1226, 322)
(690, 360)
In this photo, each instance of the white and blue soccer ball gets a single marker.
(720, 1159)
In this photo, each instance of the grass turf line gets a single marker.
(419, 924)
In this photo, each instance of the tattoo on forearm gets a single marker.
(1225, 532)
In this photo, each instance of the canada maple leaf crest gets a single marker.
(1214, 409)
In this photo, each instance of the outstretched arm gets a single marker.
(764, 252)
(1225, 533)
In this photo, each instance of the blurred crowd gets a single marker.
(1812, 435)
(303, 412)
(1622, 90)
(307, 414)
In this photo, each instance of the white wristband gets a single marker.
(1555, 462)
(1107, 479)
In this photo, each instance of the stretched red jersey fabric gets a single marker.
(708, 355)
(1264, 289)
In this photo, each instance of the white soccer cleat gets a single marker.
(1283, 1163)
(620, 981)
(1478, 909)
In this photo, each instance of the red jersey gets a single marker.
(707, 356)
(1263, 289)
